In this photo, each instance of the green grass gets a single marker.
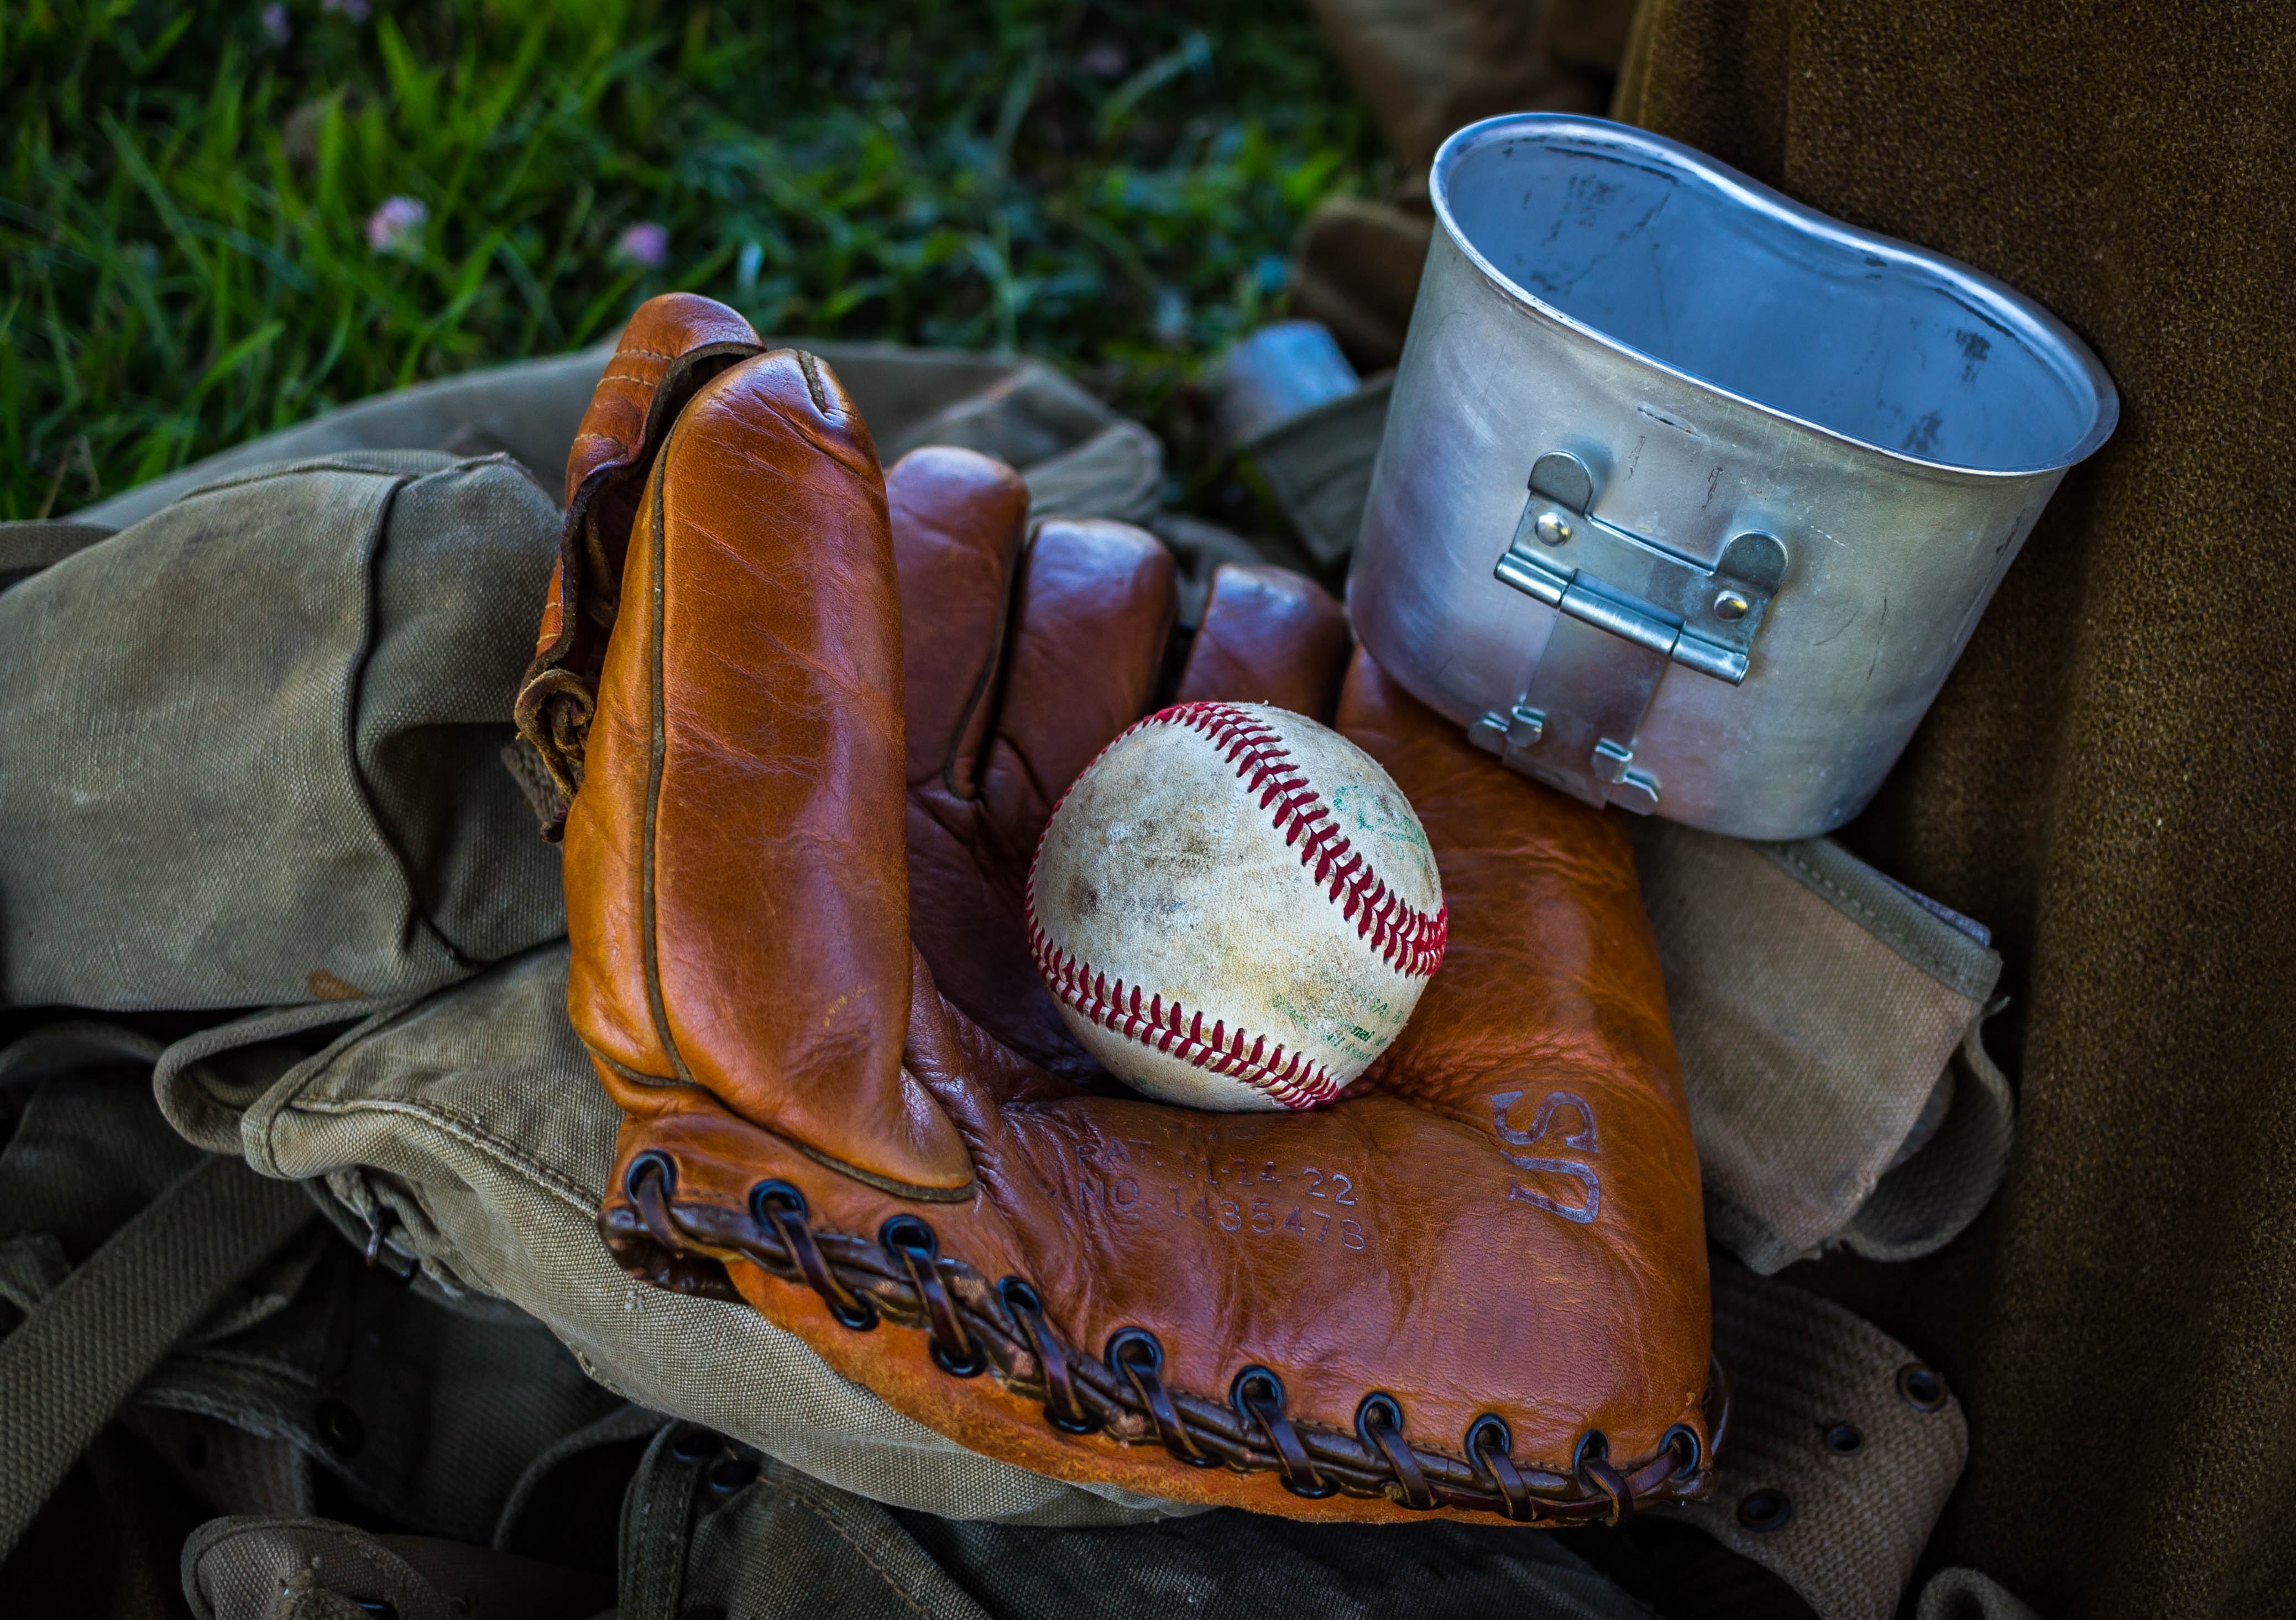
(183, 198)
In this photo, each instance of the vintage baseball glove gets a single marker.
(814, 746)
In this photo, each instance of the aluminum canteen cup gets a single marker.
(1776, 467)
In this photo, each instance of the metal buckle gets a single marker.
(1625, 608)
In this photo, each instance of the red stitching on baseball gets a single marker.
(1295, 1081)
(1404, 937)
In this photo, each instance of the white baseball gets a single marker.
(1235, 908)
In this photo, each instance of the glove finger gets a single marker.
(1268, 635)
(958, 520)
(1090, 619)
(736, 874)
(1550, 968)
(672, 346)
(1094, 611)
(970, 1072)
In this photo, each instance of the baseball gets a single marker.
(1235, 908)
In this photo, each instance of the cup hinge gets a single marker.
(1627, 608)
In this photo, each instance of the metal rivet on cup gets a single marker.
(1553, 528)
(1731, 605)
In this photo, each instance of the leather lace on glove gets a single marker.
(830, 716)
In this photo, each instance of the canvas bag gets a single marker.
(707, 1530)
(1019, 413)
(251, 747)
(222, 1350)
(459, 1416)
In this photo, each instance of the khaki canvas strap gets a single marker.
(1838, 1085)
(1843, 1446)
(79, 1356)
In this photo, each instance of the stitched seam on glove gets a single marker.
(657, 756)
(827, 1161)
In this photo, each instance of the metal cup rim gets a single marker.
(2043, 333)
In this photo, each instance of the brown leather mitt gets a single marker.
(672, 346)
(831, 718)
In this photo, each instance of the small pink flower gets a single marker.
(356, 10)
(275, 23)
(645, 245)
(396, 227)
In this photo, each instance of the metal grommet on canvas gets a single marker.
(1922, 1387)
(695, 1445)
(1765, 1510)
(730, 1476)
(338, 1426)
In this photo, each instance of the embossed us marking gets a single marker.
(1541, 1122)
